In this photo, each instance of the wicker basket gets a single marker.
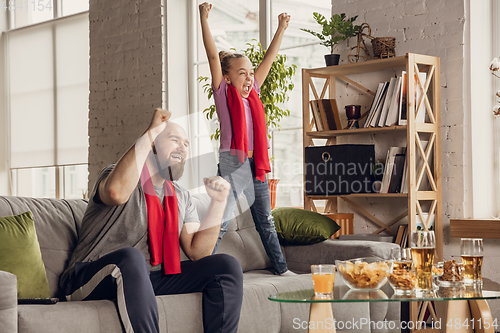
(384, 47)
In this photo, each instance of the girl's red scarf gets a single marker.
(163, 225)
(239, 140)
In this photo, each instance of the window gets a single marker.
(303, 50)
(235, 23)
(48, 87)
(74, 6)
(28, 12)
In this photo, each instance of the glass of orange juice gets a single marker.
(323, 278)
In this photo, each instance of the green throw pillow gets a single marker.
(20, 255)
(299, 226)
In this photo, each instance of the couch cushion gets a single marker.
(299, 226)
(74, 317)
(8, 302)
(20, 255)
(241, 240)
(57, 223)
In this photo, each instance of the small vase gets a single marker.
(273, 183)
(332, 59)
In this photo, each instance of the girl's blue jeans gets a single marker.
(241, 176)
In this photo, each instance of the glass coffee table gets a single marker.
(460, 309)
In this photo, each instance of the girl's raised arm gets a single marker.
(264, 67)
(210, 48)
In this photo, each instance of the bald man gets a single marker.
(141, 237)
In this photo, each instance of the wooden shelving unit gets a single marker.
(412, 64)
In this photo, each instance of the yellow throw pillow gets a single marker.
(299, 226)
(20, 255)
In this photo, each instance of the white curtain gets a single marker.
(48, 74)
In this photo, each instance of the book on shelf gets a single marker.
(329, 114)
(322, 113)
(390, 170)
(397, 172)
(316, 115)
(404, 241)
(392, 114)
(387, 101)
(375, 103)
(389, 106)
(385, 177)
(400, 233)
(424, 183)
(380, 104)
(404, 180)
(403, 103)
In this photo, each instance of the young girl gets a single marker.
(243, 159)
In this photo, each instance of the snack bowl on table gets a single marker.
(453, 274)
(402, 280)
(368, 273)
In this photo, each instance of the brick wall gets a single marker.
(126, 63)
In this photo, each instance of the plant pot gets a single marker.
(273, 183)
(332, 59)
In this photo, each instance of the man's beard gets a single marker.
(169, 171)
(172, 172)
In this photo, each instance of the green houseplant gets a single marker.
(273, 90)
(336, 30)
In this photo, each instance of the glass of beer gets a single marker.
(323, 278)
(471, 252)
(423, 244)
(401, 258)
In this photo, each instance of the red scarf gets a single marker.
(239, 139)
(163, 225)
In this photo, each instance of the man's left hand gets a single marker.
(217, 188)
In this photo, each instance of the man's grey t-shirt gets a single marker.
(109, 228)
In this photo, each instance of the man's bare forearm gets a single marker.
(205, 238)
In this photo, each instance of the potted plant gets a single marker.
(273, 91)
(335, 31)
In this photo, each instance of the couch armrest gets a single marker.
(300, 257)
(8, 302)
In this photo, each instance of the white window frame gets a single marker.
(11, 187)
(265, 32)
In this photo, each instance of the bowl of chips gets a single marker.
(364, 273)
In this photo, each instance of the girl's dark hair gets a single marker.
(225, 60)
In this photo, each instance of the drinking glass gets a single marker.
(323, 278)
(401, 255)
(423, 245)
(402, 275)
(471, 252)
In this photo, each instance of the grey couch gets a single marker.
(57, 224)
